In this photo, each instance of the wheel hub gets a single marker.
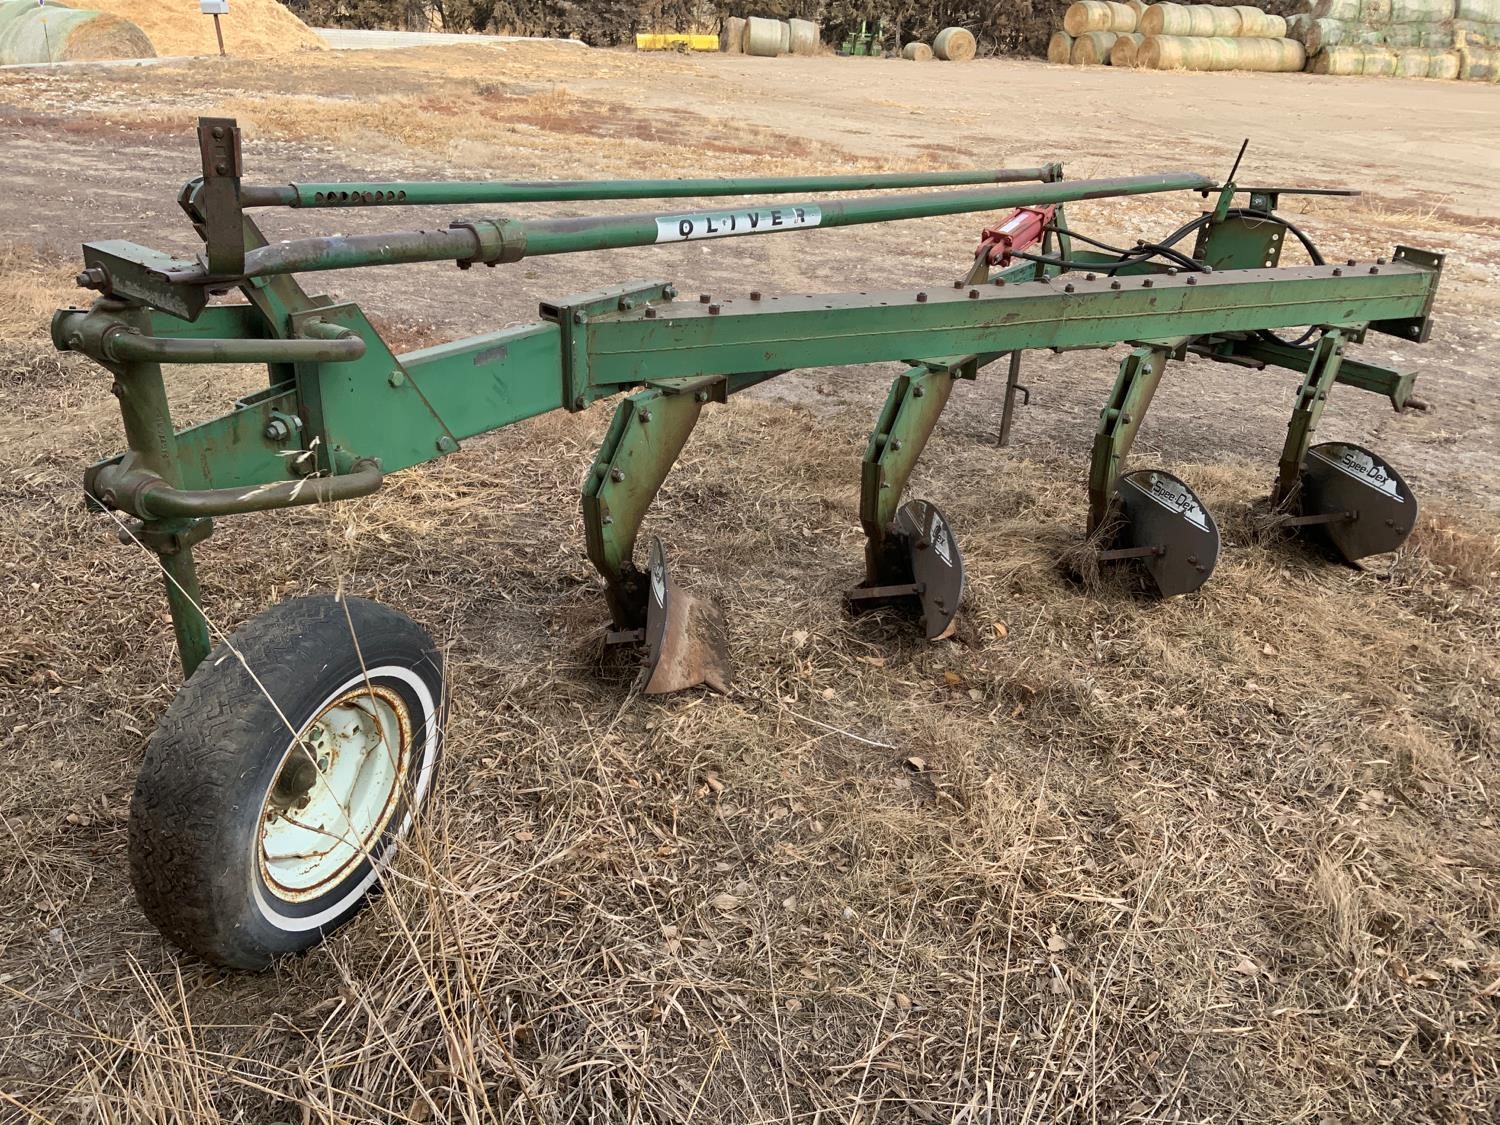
(336, 791)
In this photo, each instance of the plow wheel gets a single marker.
(1168, 529)
(921, 570)
(1361, 503)
(282, 777)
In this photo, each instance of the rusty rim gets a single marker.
(338, 786)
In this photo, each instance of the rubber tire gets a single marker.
(195, 815)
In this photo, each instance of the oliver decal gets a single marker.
(722, 224)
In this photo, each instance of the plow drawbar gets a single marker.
(298, 751)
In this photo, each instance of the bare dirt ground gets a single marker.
(1229, 858)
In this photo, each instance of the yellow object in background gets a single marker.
(668, 42)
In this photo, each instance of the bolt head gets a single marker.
(579, 318)
(579, 403)
(921, 298)
(1115, 284)
(1147, 283)
(1374, 269)
(277, 430)
(1068, 288)
(617, 475)
(704, 298)
(713, 310)
(397, 378)
(755, 294)
(650, 314)
(917, 392)
(896, 445)
(1337, 272)
(644, 415)
(973, 293)
(1192, 280)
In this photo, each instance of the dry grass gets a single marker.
(1226, 858)
(1097, 859)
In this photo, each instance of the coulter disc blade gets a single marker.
(1380, 510)
(1163, 513)
(937, 567)
(686, 644)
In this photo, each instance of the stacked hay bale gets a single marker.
(1402, 38)
(1175, 36)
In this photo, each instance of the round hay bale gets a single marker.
(804, 37)
(1225, 21)
(1165, 19)
(785, 30)
(1375, 13)
(1060, 48)
(1125, 49)
(954, 44)
(1445, 64)
(1379, 61)
(1252, 20)
(762, 37)
(921, 52)
(1296, 26)
(1481, 11)
(1098, 15)
(1339, 60)
(1275, 27)
(1175, 52)
(1202, 20)
(1139, 8)
(1093, 49)
(48, 33)
(733, 40)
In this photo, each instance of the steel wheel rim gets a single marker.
(335, 792)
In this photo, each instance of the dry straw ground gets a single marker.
(1097, 859)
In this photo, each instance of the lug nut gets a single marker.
(277, 430)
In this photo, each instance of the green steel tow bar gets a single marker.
(341, 410)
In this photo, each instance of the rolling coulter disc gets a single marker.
(685, 642)
(922, 572)
(1362, 504)
(1168, 528)
(937, 566)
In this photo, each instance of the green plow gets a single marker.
(300, 748)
